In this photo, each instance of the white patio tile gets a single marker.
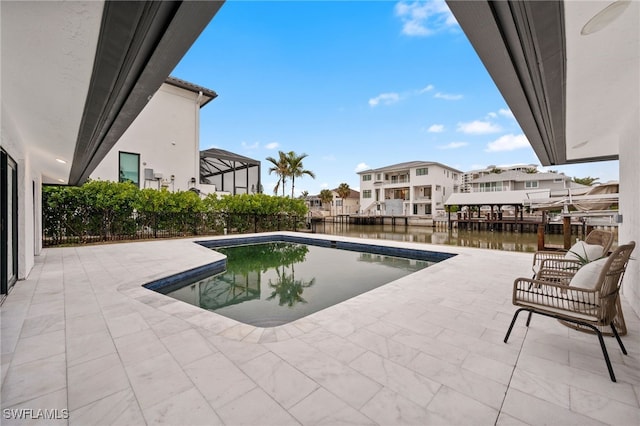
(120, 408)
(185, 408)
(187, 346)
(604, 409)
(389, 408)
(157, 379)
(54, 404)
(126, 324)
(281, 381)
(34, 379)
(456, 408)
(219, 380)
(545, 389)
(323, 408)
(139, 346)
(86, 347)
(39, 347)
(255, 408)
(534, 411)
(399, 379)
(95, 379)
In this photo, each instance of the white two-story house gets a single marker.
(415, 188)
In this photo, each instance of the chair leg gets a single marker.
(529, 318)
(605, 353)
(513, 321)
(615, 333)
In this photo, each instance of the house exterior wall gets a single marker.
(419, 193)
(349, 205)
(29, 183)
(629, 229)
(166, 135)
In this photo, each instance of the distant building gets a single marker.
(349, 205)
(415, 188)
(468, 177)
(520, 181)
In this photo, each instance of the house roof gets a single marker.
(208, 94)
(352, 194)
(509, 198)
(409, 165)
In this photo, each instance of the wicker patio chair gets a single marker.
(589, 300)
(581, 251)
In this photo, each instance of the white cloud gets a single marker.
(385, 98)
(492, 115)
(447, 96)
(478, 127)
(426, 89)
(508, 142)
(249, 147)
(324, 185)
(436, 128)
(453, 145)
(361, 167)
(506, 113)
(272, 145)
(423, 18)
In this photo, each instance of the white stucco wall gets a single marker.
(630, 209)
(29, 241)
(166, 135)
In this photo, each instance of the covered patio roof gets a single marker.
(218, 162)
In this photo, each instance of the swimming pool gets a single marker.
(270, 282)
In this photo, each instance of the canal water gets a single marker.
(507, 241)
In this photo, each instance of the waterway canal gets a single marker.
(507, 241)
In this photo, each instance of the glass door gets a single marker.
(8, 223)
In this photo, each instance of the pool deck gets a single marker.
(82, 334)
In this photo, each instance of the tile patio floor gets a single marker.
(82, 334)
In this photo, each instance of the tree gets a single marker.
(281, 168)
(325, 196)
(589, 181)
(296, 169)
(304, 194)
(343, 192)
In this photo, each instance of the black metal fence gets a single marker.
(143, 226)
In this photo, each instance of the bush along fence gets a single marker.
(101, 211)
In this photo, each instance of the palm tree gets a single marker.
(281, 168)
(343, 192)
(325, 196)
(296, 169)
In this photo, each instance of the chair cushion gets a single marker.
(587, 276)
(584, 251)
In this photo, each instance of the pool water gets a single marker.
(273, 283)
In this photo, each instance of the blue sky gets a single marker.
(355, 85)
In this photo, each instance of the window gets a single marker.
(531, 184)
(366, 177)
(366, 193)
(490, 186)
(422, 171)
(129, 166)
(379, 177)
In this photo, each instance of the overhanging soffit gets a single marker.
(140, 43)
(521, 44)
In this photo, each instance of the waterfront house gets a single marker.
(336, 206)
(468, 177)
(415, 188)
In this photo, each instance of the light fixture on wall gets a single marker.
(60, 160)
(605, 17)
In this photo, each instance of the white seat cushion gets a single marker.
(583, 251)
(587, 275)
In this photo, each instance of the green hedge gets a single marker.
(107, 211)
